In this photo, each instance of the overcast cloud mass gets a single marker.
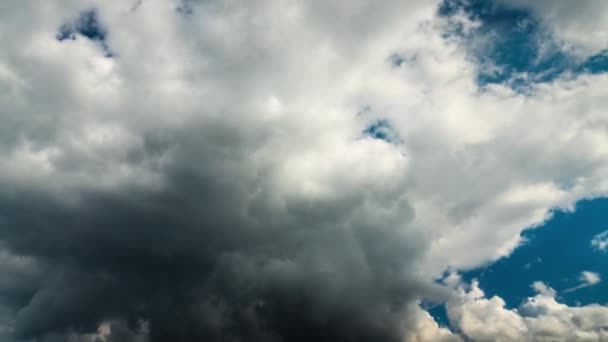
(282, 170)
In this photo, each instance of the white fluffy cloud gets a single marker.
(267, 101)
(539, 318)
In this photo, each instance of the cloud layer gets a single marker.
(220, 176)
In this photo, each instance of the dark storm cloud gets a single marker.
(207, 256)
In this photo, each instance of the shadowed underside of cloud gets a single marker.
(214, 180)
(200, 222)
(212, 255)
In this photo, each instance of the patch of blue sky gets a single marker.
(185, 8)
(513, 47)
(398, 60)
(439, 313)
(89, 26)
(568, 253)
(557, 253)
(595, 64)
(381, 130)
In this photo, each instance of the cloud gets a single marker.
(207, 217)
(587, 279)
(539, 318)
(600, 241)
(426, 329)
(590, 278)
(214, 181)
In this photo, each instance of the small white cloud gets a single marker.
(587, 279)
(600, 241)
(590, 278)
(542, 289)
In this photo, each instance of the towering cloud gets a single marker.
(264, 170)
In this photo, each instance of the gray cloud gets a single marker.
(208, 256)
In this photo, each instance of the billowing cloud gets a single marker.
(539, 318)
(223, 176)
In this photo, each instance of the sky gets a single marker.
(290, 170)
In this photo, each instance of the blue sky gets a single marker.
(86, 26)
(559, 250)
(512, 42)
(555, 253)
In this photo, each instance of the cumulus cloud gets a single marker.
(212, 178)
(539, 318)
(427, 329)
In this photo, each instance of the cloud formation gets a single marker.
(218, 176)
(586, 279)
(539, 318)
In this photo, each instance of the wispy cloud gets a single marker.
(587, 279)
(600, 241)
